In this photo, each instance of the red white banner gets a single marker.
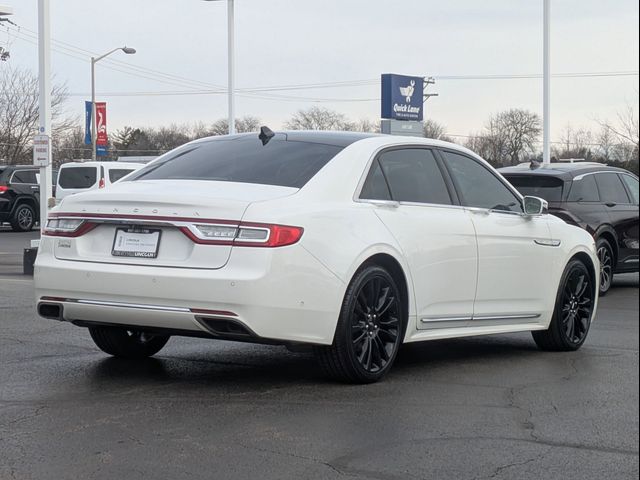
(101, 119)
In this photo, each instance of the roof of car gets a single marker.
(338, 139)
(563, 170)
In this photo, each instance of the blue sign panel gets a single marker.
(402, 97)
(101, 150)
(87, 123)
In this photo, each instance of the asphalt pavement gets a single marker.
(474, 408)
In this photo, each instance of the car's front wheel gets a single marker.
(573, 310)
(369, 330)
(124, 343)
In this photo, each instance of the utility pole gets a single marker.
(428, 81)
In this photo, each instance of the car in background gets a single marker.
(347, 243)
(76, 177)
(601, 199)
(20, 196)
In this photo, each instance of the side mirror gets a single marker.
(534, 206)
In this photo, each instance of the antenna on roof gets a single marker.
(534, 165)
(266, 134)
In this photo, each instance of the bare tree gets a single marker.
(316, 118)
(244, 124)
(575, 143)
(435, 130)
(518, 130)
(19, 113)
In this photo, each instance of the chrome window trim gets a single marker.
(23, 170)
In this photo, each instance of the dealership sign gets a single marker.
(101, 120)
(402, 97)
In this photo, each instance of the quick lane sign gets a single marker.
(402, 97)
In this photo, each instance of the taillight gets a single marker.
(3, 189)
(244, 234)
(101, 183)
(67, 227)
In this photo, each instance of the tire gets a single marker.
(124, 343)
(370, 329)
(573, 310)
(23, 218)
(607, 264)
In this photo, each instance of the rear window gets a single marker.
(244, 160)
(548, 188)
(77, 177)
(116, 174)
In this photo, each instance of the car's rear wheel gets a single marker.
(605, 255)
(121, 342)
(369, 330)
(573, 310)
(23, 219)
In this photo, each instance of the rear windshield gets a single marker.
(116, 174)
(549, 188)
(245, 160)
(78, 177)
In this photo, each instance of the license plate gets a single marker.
(136, 242)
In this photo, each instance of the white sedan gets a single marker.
(351, 243)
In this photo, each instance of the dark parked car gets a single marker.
(20, 196)
(603, 200)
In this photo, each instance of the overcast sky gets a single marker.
(293, 42)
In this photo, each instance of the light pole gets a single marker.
(231, 64)
(546, 73)
(94, 120)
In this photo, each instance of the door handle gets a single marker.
(611, 204)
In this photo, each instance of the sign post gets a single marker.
(44, 130)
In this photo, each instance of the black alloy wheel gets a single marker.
(573, 311)
(369, 331)
(605, 255)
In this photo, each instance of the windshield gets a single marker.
(548, 188)
(244, 160)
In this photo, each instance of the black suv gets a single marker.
(603, 200)
(20, 196)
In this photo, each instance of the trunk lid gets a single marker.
(165, 206)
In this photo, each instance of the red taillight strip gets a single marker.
(120, 216)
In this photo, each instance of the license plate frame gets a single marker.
(147, 249)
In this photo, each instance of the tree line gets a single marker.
(508, 137)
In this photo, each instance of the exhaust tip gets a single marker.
(52, 311)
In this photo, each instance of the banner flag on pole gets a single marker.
(101, 115)
(87, 123)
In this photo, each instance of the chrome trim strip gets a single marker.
(445, 319)
(547, 243)
(136, 306)
(631, 260)
(507, 317)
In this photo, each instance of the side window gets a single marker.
(611, 188)
(24, 176)
(584, 190)
(375, 187)
(632, 183)
(413, 175)
(478, 186)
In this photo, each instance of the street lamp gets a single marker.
(94, 120)
(231, 66)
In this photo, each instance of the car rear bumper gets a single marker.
(282, 295)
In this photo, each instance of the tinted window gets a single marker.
(375, 187)
(611, 188)
(549, 188)
(24, 176)
(632, 183)
(478, 186)
(584, 190)
(414, 176)
(244, 160)
(117, 174)
(77, 177)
